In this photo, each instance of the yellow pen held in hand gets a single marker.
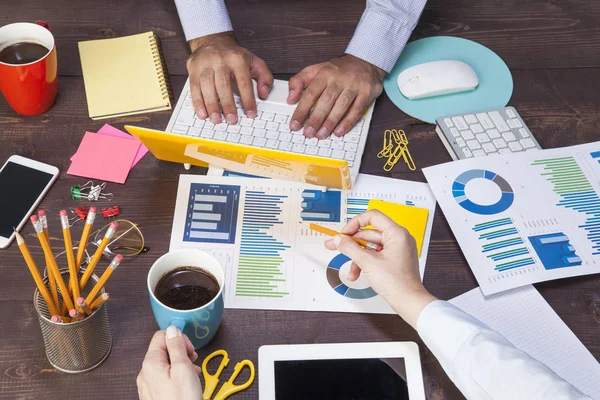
(331, 232)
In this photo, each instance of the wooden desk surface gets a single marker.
(552, 48)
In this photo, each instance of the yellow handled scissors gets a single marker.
(212, 381)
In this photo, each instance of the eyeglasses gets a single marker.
(128, 241)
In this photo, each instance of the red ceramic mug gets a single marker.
(30, 88)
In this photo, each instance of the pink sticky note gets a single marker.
(103, 157)
(112, 131)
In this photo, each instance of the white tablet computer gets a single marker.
(361, 371)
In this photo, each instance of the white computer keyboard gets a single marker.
(270, 129)
(498, 131)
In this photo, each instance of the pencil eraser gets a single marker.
(42, 213)
(55, 319)
(93, 209)
(118, 258)
(80, 301)
(34, 218)
(73, 312)
(63, 213)
(114, 225)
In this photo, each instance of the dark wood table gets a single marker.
(552, 48)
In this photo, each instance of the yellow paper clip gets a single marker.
(388, 144)
(406, 154)
(393, 159)
(391, 138)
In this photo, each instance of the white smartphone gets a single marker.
(23, 184)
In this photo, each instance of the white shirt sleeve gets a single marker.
(482, 363)
(383, 31)
(203, 17)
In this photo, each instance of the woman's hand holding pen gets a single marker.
(392, 272)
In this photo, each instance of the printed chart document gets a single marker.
(251, 226)
(524, 318)
(524, 218)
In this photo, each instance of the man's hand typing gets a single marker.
(217, 63)
(344, 87)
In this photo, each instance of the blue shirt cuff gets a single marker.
(379, 39)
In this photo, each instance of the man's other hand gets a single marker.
(343, 88)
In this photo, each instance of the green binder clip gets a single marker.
(91, 192)
(76, 192)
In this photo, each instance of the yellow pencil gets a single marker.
(102, 281)
(99, 301)
(83, 305)
(59, 319)
(75, 316)
(37, 277)
(89, 221)
(96, 257)
(64, 291)
(51, 277)
(73, 278)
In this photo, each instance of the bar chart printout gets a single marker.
(356, 206)
(576, 192)
(261, 266)
(525, 217)
(501, 243)
(212, 213)
(271, 261)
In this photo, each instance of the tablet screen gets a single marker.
(358, 379)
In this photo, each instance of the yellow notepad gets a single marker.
(414, 219)
(124, 76)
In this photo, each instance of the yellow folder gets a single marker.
(124, 76)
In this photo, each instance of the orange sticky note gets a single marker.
(414, 219)
(104, 157)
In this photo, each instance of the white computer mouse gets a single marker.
(436, 78)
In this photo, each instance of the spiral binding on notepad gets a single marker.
(161, 69)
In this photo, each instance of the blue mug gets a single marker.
(199, 324)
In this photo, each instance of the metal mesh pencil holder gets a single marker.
(75, 347)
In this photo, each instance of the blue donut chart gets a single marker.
(333, 277)
(458, 191)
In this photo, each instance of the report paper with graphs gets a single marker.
(525, 217)
(251, 226)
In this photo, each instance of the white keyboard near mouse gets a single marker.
(498, 131)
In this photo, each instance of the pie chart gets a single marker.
(458, 191)
(333, 277)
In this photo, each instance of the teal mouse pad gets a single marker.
(495, 80)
